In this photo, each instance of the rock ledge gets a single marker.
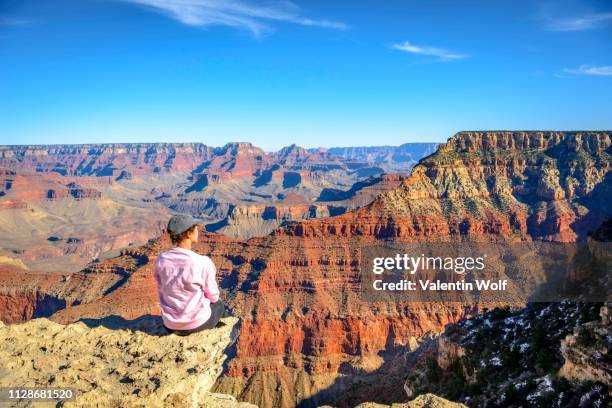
(118, 363)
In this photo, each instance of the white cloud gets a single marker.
(561, 76)
(590, 70)
(234, 13)
(587, 22)
(440, 53)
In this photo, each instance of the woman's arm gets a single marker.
(209, 272)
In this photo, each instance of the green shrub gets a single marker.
(545, 360)
(538, 338)
(590, 312)
(512, 358)
(434, 372)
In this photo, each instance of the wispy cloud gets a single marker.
(582, 23)
(439, 53)
(235, 13)
(590, 70)
(14, 22)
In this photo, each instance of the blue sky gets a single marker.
(315, 73)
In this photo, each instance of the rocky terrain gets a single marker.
(545, 355)
(307, 334)
(422, 401)
(63, 206)
(586, 351)
(130, 363)
(118, 363)
(548, 354)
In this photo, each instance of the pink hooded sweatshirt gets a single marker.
(186, 286)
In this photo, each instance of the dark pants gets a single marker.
(217, 311)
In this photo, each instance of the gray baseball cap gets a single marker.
(181, 223)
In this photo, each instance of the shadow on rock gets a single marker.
(149, 324)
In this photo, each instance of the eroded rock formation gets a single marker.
(113, 362)
(586, 352)
(63, 206)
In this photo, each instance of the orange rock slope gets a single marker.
(307, 335)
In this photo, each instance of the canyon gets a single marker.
(62, 206)
(307, 335)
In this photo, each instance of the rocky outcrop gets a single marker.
(545, 185)
(113, 362)
(234, 160)
(586, 352)
(422, 401)
(244, 222)
(75, 191)
(26, 294)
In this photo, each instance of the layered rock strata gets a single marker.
(308, 336)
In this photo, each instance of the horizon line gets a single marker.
(5, 146)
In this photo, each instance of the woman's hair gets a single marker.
(177, 238)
